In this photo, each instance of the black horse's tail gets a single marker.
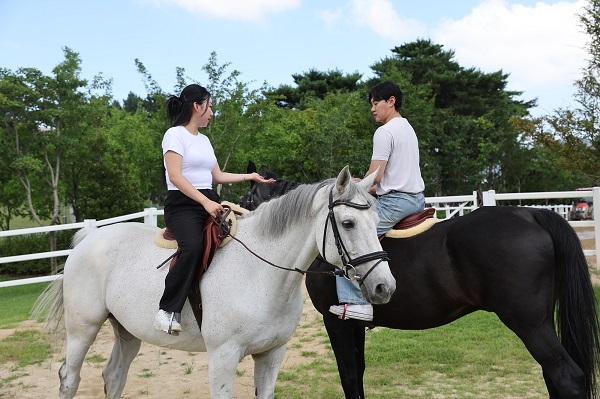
(576, 317)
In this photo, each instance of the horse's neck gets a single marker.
(295, 250)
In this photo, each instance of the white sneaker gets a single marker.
(350, 311)
(165, 321)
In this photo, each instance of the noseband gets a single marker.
(349, 264)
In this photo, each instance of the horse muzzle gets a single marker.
(381, 284)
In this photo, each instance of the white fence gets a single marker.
(446, 207)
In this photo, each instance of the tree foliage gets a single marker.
(66, 141)
(314, 85)
(461, 116)
(572, 134)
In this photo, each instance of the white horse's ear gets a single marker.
(343, 179)
(368, 181)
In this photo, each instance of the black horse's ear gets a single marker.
(268, 173)
(251, 167)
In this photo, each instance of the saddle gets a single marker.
(413, 224)
(217, 233)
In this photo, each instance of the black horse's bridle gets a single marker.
(251, 192)
(349, 264)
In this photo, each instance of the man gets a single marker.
(398, 184)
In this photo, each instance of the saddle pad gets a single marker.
(413, 231)
(162, 242)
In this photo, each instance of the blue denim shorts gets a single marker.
(395, 206)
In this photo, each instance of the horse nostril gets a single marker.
(383, 292)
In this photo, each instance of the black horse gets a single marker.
(524, 264)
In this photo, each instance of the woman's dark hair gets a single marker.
(179, 109)
(385, 90)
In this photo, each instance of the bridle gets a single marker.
(349, 264)
(251, 193)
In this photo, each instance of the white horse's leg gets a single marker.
(222, 366)
(79, 339)
(266, 369)
(124, 351)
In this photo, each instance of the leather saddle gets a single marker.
(415, 219)
(215, 231)
(413, 224)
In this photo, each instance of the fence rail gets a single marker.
(447, 207)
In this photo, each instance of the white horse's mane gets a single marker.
(277, 215)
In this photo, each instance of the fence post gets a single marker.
(475, 205)
(489, 198)
(150, 217)
(89, 223)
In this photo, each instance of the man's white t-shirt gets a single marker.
(198, 155)
(396, 142)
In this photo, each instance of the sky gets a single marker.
(540, 44)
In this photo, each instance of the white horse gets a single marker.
(249, 306)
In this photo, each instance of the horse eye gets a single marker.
(348, 224)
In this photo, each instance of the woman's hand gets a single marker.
(259, 179)
(213, 208)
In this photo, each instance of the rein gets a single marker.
(303, 272)
(349, 264)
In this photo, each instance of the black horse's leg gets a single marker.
(342, 337)
(564, 379)
(359, 346)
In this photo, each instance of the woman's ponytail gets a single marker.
(179, 109)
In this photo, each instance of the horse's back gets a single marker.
(114, 246)
(491, 257)
(494, 235)
(482, 259)
(113, 270)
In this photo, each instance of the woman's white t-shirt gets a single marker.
(198, 155)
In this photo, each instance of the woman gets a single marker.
(191, 168)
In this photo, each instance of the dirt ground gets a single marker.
(155, 372)
(159, 372)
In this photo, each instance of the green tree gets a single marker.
(41, 117)
(573, 133)
(12, 198)
(314, 85)
(119, 176)
(339, 132)
(464, 130)
(238, 109)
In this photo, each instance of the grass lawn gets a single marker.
(16, 302)
(475, 356)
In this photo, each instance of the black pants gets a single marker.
(185, 218)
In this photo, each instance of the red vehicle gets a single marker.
(583, 208)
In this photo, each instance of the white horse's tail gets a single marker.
(80, 235)
(49, 305)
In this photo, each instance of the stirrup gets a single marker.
(170, 331)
